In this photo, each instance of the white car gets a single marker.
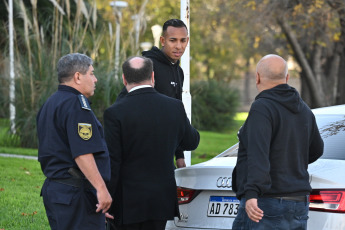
(207, 202)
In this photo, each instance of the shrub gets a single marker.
(29, 100)
(214, 105)
(37, 49)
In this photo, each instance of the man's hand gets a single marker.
(180, 163)
(253, 211)
(107, 215)
(87, 165)
(104, 200)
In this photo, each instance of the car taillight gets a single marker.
(185, 195)
(327, 200)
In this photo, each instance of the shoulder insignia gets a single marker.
(84, 103)
(85, 131)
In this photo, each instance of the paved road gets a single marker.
(18, 156)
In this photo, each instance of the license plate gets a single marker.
(224, 206)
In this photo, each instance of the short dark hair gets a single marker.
(137, 75)
(69, 64)
(174, 23)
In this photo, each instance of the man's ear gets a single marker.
(124, 80)
(257, 78)
(162, 40)
(77, 78)
(287, 78)
(153, 79)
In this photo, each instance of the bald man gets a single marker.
(143, 131)
(276, 143)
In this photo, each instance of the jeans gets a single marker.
(279, 214)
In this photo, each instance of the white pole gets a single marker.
(12, 83)
(117, 46)
(117, 7)
(186, 97)
(136, 19)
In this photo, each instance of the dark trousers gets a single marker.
(71, 208)
(147, 225)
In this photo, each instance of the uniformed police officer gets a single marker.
(72, 151)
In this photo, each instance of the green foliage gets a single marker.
(214, 105)
(219, 44)
(36, 55)
(43, 34)
(107, 89)
(6, 138)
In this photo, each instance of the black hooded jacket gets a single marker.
(168, 76)
(276, 143)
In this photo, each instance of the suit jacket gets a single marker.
(143, 131)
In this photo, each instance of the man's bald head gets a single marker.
(271, 71)
(272, 67)
(136, 62)
(137, 69)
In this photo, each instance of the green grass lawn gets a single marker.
(20, 151)
(21, 207)
(212, 144)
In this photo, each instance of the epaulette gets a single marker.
(84, 103)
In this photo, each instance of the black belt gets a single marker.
(294, 198)
(75, 182)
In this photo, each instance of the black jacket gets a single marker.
(276, 143)
(142, 132)
(168, 77)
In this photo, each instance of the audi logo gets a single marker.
(224, 182)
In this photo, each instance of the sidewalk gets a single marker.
(18, 156)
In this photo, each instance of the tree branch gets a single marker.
(300, 56)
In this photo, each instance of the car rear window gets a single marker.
(332, 130)
(230, 152)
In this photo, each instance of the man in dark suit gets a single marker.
(143, 130)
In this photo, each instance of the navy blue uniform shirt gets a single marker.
(66, 129)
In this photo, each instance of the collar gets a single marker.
(68, 89)
(71, 90)
(139, 87)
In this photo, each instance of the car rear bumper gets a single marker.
(171, 226)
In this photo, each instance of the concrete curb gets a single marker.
(18, 156)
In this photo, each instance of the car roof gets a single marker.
(331, 110)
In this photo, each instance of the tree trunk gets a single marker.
(305, 92)
(339, 95)
(333, 75)
(316, 92)
(340, 98)
(247, 77)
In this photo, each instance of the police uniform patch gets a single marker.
(85, 131)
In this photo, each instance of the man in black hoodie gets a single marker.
(276, 143)
(166, 66)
